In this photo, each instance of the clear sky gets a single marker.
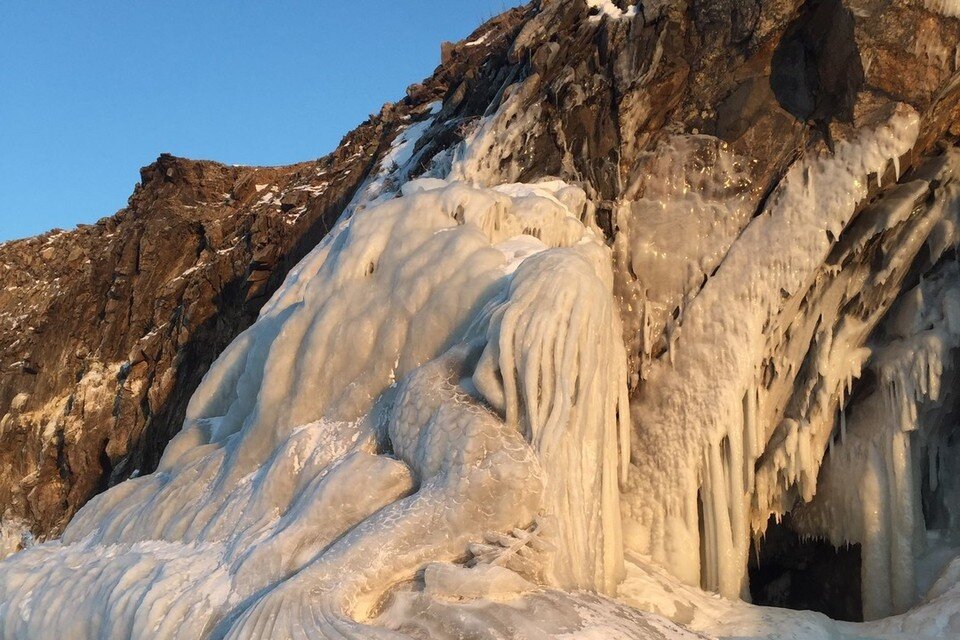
(92, 91)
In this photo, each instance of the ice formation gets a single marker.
(674, 236)
(893, 475)
(464, 413)
(14, 536)
(699, 433)
(470, 334)
(946, 7)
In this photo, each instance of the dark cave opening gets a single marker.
(792, 572)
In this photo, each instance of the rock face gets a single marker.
(105, 331)
(762, 182)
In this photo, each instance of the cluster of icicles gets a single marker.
(702, 416)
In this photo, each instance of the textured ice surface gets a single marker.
(14, 535)
(695, 202)
(699, 438)
(470, 334)
(946, 7)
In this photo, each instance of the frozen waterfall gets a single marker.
(472, 410)
(445, 365)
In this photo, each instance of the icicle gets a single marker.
(647, 328)
(750, 434)
(669, 333)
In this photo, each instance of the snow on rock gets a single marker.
(395, 167)
(607, 8)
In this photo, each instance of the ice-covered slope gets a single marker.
(486, 432)
(106, 330)
(592, 325)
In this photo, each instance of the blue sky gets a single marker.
(92, 91)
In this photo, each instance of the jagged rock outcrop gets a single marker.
(106, 330)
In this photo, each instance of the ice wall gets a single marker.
(675, 223)
(445, 366)
(691, 482)
(891, 475)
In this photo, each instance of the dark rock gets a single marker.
(816, 70)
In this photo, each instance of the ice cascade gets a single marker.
(444, 367)
(892, 477)
(692, 485)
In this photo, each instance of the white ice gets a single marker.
(696, 419)
(446, 365)
(946, 7)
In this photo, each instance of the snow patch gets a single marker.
(607, 8)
